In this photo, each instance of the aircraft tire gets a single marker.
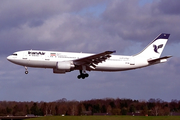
(83, 76)
(26, 72)
(86, 75)
(79, 76)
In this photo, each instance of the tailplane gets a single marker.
(155, 48)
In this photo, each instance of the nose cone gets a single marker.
(9, 58)
(13, 58)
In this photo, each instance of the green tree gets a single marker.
(132, 109)
(124, 111)
(34, 109)
(116, 111)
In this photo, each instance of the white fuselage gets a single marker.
(49, 59)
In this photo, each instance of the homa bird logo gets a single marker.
(157, 47)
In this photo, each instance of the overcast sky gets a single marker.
(92, 26)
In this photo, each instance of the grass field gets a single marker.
(108, 118)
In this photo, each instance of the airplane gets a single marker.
(62, 62)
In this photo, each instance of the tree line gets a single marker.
(107, 106)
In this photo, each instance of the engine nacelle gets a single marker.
(65, 66)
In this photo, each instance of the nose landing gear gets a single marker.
(26, 70)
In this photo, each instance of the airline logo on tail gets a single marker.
(157, 47)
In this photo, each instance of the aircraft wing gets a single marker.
(93, 60)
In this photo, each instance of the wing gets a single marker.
(91, 61)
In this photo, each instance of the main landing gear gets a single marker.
(82, 75)
(26, 70)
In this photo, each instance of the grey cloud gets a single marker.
(25, 23)
(15, 13)
(64, 32)
(133, 22)
(169, 7)
(36, 23)
(54, 26)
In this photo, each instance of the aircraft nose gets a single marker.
(9, 58)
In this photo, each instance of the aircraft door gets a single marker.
(47, 56)
(132, 61)
(25, 57)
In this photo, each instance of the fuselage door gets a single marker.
(132, 61)
(47, 56)
(25, 58)
(25, 55)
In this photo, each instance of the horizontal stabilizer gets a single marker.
(159, 60)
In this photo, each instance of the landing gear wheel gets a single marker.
(86, 75)
(26, 72)
(83, 76)
(83, 73)
(79, 76)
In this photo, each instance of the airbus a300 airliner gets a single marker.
(62, 62)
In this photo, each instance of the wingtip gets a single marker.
(169, 56)
(110, 52)
(114, 51)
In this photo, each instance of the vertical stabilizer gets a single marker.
(155, 48)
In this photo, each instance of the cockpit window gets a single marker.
(14, 54)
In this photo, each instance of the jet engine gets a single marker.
(63, 66)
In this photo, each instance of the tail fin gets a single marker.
(155, 48)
